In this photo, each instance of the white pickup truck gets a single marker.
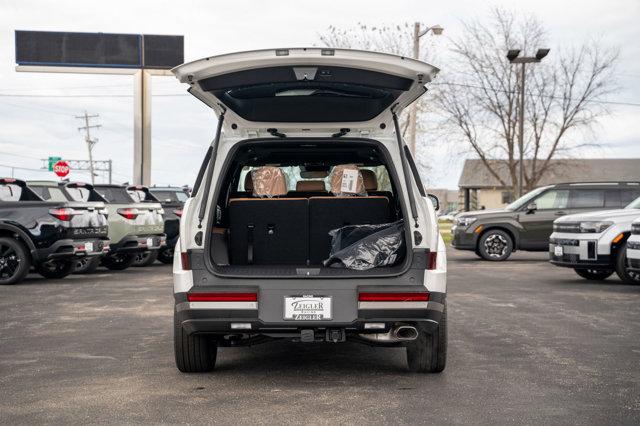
(595, 244)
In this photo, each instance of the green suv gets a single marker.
(527, 223)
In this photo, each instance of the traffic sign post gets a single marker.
(61, 168)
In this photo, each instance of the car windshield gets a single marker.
(524, 200)
(635, 204)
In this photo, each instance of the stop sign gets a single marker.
(61, 168)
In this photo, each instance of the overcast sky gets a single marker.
(37, 110)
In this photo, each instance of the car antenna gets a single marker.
(342, 132)
(274, 132)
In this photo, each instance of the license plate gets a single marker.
(149, 242)
(307, 308)
(88, 247)
(557, 251)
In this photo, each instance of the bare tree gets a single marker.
(478, 97)
(394, 39)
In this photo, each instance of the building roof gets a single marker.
(476, 175)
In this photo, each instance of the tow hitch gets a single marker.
(334, 335)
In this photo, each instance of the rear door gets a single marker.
(538, 224)
(310, 90)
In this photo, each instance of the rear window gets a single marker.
(10, 192)
(115, 195)
(49, 193)
(170, 196)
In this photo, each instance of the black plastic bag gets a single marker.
(363, 247)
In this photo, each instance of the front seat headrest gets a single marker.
(268, 181)
(370, 180)
(346, 180)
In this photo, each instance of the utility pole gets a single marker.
(413, 111)
(513, 55)
(87, 137)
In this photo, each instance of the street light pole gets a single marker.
(413, 111)
(514, 57)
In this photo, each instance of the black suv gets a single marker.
(527, 223)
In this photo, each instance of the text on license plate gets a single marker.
(88, 247)
(557, 250)
(307, 308)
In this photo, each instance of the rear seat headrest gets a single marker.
(310, 186)
(268, 181)
(248, 182)
(370, 180)
(346, 179)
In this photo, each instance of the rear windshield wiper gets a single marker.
(342, 132)
(276, 133)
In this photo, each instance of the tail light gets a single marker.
(184, 259)
(178, 212)
(394, 297)
(222, 297)
(64, 215)
(128, 213)
(7, 180)
(432, 259)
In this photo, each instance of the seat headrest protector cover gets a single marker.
(268, 182)
(346, 180)
(310, 186)
(370, 180)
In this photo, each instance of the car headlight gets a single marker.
(465, 221)
(635, 229)
(594, 227)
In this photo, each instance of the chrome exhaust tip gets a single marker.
(405, 332)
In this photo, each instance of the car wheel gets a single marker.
(194, 353)
(118, 261)
(145, 258)
(56, 269)
(495, 245)
(165, 255)
(86, 265)
(428, 353)
(14, 261)
(594, 274)
(623, 272)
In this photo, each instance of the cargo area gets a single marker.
(279, 201)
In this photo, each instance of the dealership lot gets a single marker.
(528, 342)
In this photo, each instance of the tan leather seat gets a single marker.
(370, 180)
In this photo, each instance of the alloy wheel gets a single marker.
(9, 262)
(496, 245)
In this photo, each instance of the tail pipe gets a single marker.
(397, 333)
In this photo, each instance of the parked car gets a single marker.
(133, 227)
(172, 199)
(48, 235)
(448, 216)
(527, 223)
(255, 261)
(595, 244)
(633, 249)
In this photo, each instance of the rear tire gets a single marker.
(165, 255)
(625, 274)
(495, 245)
(14, 261)
(594, 274)
(118, 261)
(56, 269)
(428, 353)
(194, 353)
(86, 265)
(145, 258)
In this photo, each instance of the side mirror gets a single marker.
(531, 207)
(434, 200)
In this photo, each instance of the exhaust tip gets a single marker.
(406, 332)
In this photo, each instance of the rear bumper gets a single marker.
(73, 248)
(215, 318)
(136, 243)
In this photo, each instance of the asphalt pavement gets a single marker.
(528, 343)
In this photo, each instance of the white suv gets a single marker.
(595, 244)
(308, 220)
(633, 249)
